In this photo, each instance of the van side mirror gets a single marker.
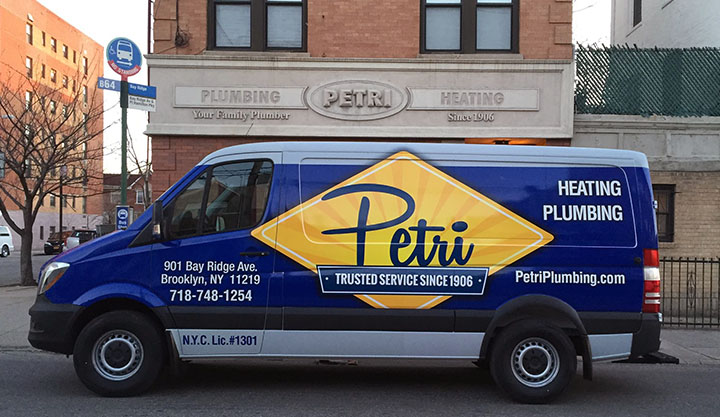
(157, 219)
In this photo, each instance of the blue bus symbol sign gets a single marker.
(122, 216)
(124, 57)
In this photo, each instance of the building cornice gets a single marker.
(295, 61)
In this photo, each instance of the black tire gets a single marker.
(5, 252)
(119, 354)
(532, 361)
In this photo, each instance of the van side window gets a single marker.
(237, 195)
(186, 209)
(224, 198)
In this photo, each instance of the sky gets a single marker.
(104, 20)
(591, 21)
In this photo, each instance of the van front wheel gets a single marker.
(533, 361)
(5, 252)
(119, 354)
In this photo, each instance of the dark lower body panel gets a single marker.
(51, 325)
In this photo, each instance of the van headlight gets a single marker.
(51, 274)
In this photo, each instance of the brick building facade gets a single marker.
(422, 61)
(37, 44)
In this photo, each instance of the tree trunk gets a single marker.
(26, 269)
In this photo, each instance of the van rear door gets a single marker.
(213, 274)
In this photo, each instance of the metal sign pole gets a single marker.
(123, 146)
(125, 58)
(61, 207)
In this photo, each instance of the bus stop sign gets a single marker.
(124, 57)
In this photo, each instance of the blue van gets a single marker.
(521, 258)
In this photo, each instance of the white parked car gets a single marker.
(78, 237)
(6, 245)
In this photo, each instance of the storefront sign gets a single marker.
(362, 98)
(240, 97)
(472, 99)
(357, 100)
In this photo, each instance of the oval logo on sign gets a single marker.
(357, 100)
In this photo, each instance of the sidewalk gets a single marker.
(699, 347)
(14, 319)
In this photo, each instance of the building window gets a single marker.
(29, 33)
(43, 39)
(65, 81)
(85, 95)
(84, 204)
(637, 12)
(85, 65)
(52, 228)
(665, 213)
(469, 26)
(2, 165)
(42, 232)
(53, 106)
(53, 44)
(42, 71)
(115, 197)
(139, 197)
(29, 66)
(73, 85)
(53, 75)
(65, 51)
(74, 57)
(258, 25)
(28, 100)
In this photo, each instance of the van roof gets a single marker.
(514, 152)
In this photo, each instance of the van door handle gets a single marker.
(253, 254)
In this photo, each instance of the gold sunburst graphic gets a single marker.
(498, 236)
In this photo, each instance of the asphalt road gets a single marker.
(10, 267)
(36, 383)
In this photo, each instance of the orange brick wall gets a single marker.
(371, 28)
(193, 26)
(546, 29)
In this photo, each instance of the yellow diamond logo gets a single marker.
(402, 214)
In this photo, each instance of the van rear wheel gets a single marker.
(5, 251)
(119, 354)
(533, 362)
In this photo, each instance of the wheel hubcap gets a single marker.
(535, 362)
(117, 355)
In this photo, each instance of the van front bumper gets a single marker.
(51, 325)
(647, 339)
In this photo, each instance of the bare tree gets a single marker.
(49, 136)
(143, 168)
